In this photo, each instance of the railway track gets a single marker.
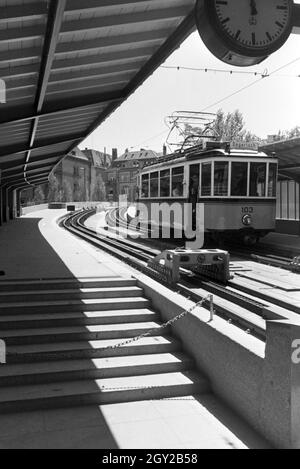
(239, 307)
(286, 259)
(235, 303)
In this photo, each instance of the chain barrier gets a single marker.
(162, 326)
(132, 339)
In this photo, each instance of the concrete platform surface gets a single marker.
(191, 422)
(34, 247)
(283, 242)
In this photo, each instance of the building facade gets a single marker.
(81, 175)
(121, 176)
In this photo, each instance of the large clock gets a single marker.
(244, 32)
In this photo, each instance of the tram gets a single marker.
(236, 185)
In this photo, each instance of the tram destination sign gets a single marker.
(242, 145)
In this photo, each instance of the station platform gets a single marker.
(33, 248)
(282, 242)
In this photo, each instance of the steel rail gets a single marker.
(138, 258)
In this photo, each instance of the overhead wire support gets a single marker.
(252, 84)
(263, 74)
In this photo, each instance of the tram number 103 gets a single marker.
(247, 210)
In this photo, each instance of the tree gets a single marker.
(55, 194)
(226, 127)
(295, 132)
(67, 192)
(287, 134)
(99, 189)
(27, 197)
(229, 126)
(39, 196)
(191, 130)
(250, 137)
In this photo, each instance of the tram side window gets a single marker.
(258, 179)
(194, 183)
(177, 181)
(221, 178)
(239, 179)
(272, 186)
(206, 180)
(165, 183)
(154, 184)
(145, 186)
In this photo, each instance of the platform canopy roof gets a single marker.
(67, 65)
(288, 154)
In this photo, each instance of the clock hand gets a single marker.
(253, 8)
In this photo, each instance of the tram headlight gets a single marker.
(247, 220)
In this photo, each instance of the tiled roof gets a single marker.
(77, 153)
(138, 155)
(99, 159)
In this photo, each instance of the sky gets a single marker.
(270, 105)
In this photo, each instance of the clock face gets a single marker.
(244, 32)
(254, 24)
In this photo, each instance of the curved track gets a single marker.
(236, 304)
(285, 259)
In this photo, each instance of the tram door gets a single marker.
(194, 191)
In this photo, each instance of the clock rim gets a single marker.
(207, 7)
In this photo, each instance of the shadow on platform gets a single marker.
(71, 428)
(26, 254)
(233, 422)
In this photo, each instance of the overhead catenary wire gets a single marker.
(213, 70)
(251, 84)
(263, 75)
(152, 138)
(224, 71)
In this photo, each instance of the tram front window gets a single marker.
(206, 180)
(177, 182)
(221, 178)
(145, 186)
(258, 179)
(154, 184)
(239, 179)
(165, 183)
(272, 186)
